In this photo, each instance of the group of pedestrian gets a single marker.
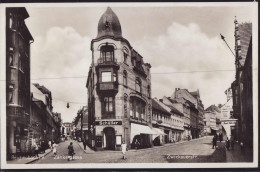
(230, 143)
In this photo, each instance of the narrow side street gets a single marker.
(198, 151)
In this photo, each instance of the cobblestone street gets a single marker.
(199, 150)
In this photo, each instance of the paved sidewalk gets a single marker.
(90, 151)
(27, 160)
(237, 156)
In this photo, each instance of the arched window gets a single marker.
(138, 85)
(107, 53)
(125, 78)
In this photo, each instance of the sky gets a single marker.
(171, 39)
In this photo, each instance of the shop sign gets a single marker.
(108, 122)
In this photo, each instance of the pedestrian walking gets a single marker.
(220, 137)
(71, 151)
(50, 144)
(137, 144)
(84, 144)
(124, 149)
(43, 146)
(227, 143)
(36, 150)
(242, 147)
(232, 142)
(214, 142)
(54, 149)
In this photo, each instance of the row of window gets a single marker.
(137, 108)
(108, 77)
(107, 55)
(167, 120)
(12, 23)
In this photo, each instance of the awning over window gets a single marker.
(137, 129)
(158, 132)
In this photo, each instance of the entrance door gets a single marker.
(110, 138)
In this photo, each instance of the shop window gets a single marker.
(106, 77)
(108, 104)
(138, 85)
(107, 53)
(125, 78)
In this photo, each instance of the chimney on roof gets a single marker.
(160, 100)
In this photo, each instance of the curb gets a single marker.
(38, 158)
(133, 150)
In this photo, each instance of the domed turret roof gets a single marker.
(109, 25)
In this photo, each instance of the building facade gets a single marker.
(242, 86)
(18, 40)
(177, 120)
(119, 89)
(212, 118)
(52, 120)
(196, 106)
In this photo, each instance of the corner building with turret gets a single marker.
(119, 90)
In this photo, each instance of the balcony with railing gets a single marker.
(111, 87)
(111, 62)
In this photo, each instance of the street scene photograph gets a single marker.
(159, 83)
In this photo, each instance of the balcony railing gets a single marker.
(102, 61)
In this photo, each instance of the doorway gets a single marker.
(109, 133)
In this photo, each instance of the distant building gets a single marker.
(227, 120)
(52, 120)
(18, 40)
(177, 121)
(119, 90)
(197, 113)
(68, 129)
(212, 114)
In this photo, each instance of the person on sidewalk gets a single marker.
(84, 144)
(220, 137)
(232, 142)
(124, 149)
(227, 143)
(50, 144)
(242, 147)
(43, 146)
(214, 142)
(71, 151)
(36, 150)
(54, 149)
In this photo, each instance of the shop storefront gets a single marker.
(141, 136)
